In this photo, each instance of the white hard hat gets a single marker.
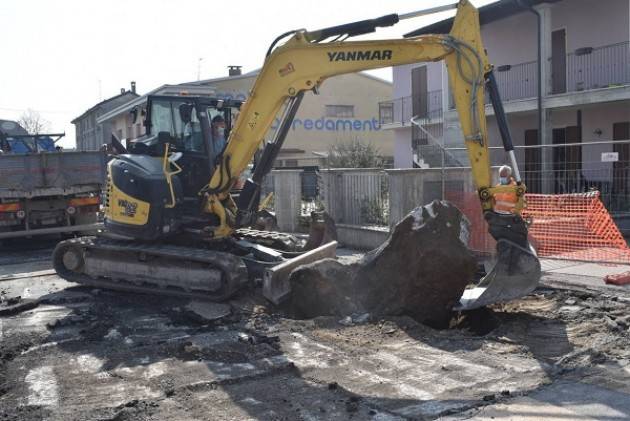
(505, 168)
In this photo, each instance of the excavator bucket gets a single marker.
(517, 269)
(322, 230)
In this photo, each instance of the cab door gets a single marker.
(195, 162)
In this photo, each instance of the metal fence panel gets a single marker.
(355, 196)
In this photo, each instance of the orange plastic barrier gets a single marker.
(573, 226)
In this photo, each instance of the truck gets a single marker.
(45, 189)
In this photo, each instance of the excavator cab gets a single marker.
(184, 123)
(155, 186)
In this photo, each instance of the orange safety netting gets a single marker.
(573, 226)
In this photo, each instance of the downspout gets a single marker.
(540, 64)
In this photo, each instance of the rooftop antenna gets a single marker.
(199, 67)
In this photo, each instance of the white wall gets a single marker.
(402, 78)
(591, 23)
(511, 40)
(403, 155)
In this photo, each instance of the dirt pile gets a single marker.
(420, 271)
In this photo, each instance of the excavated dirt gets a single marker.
(420, 271)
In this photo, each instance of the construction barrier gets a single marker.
(573, 226)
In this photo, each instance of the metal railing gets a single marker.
(401, 110)
(586, 69)
(574, 168)
(355, 196)
(517, 81)
(601, 67)
(377, 197)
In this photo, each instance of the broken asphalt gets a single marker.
(83, 354)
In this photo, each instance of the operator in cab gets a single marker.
(218, 133)
(505, 202)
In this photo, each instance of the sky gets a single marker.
(62, 57)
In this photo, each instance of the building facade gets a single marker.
(585, 49)
(91, 134)
(345, 110)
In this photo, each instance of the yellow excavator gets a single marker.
(173, 221)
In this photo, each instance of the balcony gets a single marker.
(398, 112)
(594, 68)
(586, 69)
(517, 81)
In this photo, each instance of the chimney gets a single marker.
(122, 91)
(234, 70)
(133, 86)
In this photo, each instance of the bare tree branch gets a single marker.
(33, 122)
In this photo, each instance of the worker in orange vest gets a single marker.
(505, 202)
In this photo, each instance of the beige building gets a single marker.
(346, 109)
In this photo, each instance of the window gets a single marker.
(165, 117)
(386, 113)
(340, 111)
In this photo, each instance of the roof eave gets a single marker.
(488, 13)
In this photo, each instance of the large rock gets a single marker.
(420, 271)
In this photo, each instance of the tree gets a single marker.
(33, 122)
(354, 154)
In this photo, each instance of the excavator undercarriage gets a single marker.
(205, 272)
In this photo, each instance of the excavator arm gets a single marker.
(304, 62)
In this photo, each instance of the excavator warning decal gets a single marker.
(286, 69)
(252, 122)
(360, 55)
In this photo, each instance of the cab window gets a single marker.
(165, 117)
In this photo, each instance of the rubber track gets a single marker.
(232, 267)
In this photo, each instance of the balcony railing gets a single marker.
(602, 67)
(401, 110)
(516, 81)
(586, 69)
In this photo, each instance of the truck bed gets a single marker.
(51, 173)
